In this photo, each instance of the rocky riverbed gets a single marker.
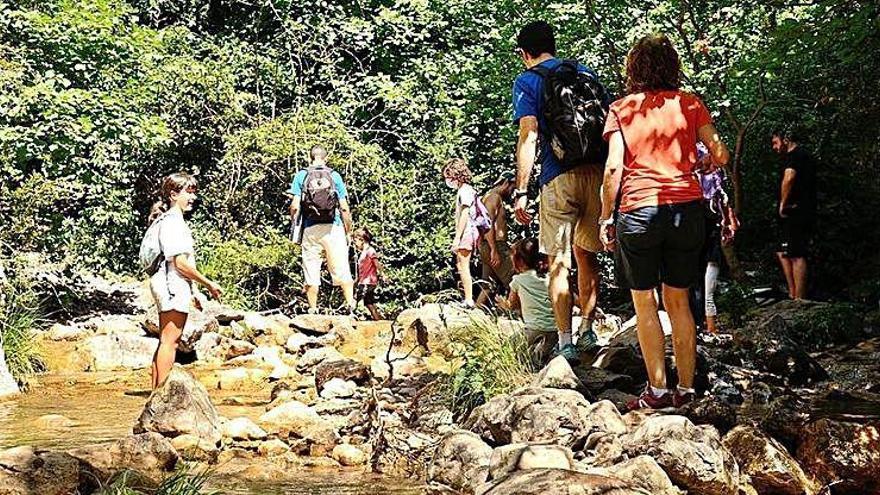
(272, 403)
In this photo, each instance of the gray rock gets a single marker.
(461, 461)
(345, 369)
(534, 415)
(180, 406)
(645, 473)
(545, 456)
(215, 348)
(842, 452)
(314, 357)
(338, 388)
(693, 456)
(299, 342)
(771, 468)
(242, 429)
(24, 471)
(193, 448)
(118, 351)
(321, 324)
(59, 332)
(149, 454)
(546, 481)
(557, 374)
(197, 323)
(349, 455)
(300, 420)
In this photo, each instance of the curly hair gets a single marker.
(652, 65)
(173, 183)
(457, 170)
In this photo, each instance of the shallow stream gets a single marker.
(104, 406)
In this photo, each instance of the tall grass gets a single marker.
(19, 316)
(184, 481)
(493, 362)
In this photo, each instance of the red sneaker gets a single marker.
(650, 401)
(679, 399)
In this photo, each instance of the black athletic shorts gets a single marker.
(660, 244)
(796, 232)
(367, 293)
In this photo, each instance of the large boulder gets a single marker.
(150, 454)
(25, 471)
(461, 461)
(771, 467)
(344, 369)
(314, 357)
(770, 346)
(215, 348)
(645, 473)
(242, 429)
(8, 385)
(117, 351)
(693, 456)
(812, 325)
(180, 406)
(300, 421)
(532, 415)
(544, 481)
(431, 326)
(557, 374)
(321, 324)
(843, 453)
(197, 323)
(509, 458)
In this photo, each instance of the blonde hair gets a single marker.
(457, 169)
(171, 184)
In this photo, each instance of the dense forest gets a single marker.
(100, 98)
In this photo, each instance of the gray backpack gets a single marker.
(150, 255)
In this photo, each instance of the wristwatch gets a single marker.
(517, 193)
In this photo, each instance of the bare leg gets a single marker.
(374, 312)
(799, 273)
(684, 333)
(171, 325)
(560, 294)
(463, 263)
(312, 296)
(651, 338)
(483, 298)
(588, 280)
(789, 274)
(348, 293)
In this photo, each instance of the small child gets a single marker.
(369, 270)
(530, 294)
(467, 237)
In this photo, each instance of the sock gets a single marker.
(683, 391)
(659, 392)
(564, 338)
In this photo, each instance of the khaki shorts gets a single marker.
(569, 212)
(325, 239)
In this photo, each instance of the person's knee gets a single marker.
(644, 300)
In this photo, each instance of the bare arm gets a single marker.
(610, 189)
(345, 212)
(186, 268)
(526, 151)
(294, 208)
(785, 193)
(512, 303)
(717, 150)
(494, 207)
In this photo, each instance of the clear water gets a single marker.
(106, 412)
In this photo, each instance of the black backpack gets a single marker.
(575, 111)
(319, 197)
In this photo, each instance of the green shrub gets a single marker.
(258, 270)
(184, 481)
(734, 303)
(493, 362)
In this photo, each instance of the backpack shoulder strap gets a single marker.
(540, 70)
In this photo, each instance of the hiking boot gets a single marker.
(650, 401)
(679, 398)
(587, 340)
(570, 353)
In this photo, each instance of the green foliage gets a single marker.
(493, 362)
(101, 98)
(20, 315)
(735, 302)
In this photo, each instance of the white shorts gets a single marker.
(325, 239)
(170, 290)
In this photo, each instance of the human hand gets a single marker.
(502, 303)
(494, 258)
(608, 234)
(782, 211)
(519, 209)
(197, 302)
(215, 290)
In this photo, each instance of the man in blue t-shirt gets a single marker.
(569, 199)
(324, 239)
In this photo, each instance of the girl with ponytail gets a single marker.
(171, 285)
(530, 295)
